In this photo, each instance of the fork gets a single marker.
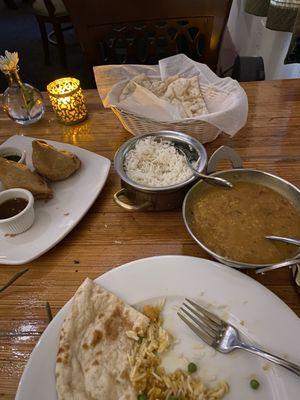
(221, 335)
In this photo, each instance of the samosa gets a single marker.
(52, 163)
(16, 175)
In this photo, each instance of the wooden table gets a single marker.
(109, 236)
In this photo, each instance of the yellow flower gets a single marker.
(9, 62)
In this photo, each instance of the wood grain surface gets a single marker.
(109, 236)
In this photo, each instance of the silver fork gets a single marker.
(221, 335)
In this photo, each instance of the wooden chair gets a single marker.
(140, 31)
(55, 13)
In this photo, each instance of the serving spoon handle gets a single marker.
(214, 180)
(284, 239)
(287, 263)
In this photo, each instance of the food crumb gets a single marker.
(176, 341)
(76, 270)
(10, 235)
(105, 226)
(118, 241)
(76, 262)
(242, 322)
(66, 214)
(223, 306)
(224, 316)
(212, 378)
(198, 346)
(182, 357)
(266, 366)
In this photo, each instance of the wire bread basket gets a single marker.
(138, 125)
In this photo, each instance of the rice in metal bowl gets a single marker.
(156, 163)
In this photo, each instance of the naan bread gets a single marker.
(51, 163)
(184, 93)
(156, 86)
(15, 175)
(92, 360)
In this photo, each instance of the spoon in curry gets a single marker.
(214, 180)
(296, 242)
(287, 263)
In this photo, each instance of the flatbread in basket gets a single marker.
(224, 98)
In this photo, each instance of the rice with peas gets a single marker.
(150, 378)
(156, 163)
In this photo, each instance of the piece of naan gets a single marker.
(52, 163)
(183, 93)
(92, 359)
(16, 175)
(186, 95)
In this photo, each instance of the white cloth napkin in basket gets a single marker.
(225, 99)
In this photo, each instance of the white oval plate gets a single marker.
(261, 316)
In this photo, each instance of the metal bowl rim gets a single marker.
(119, 157)
(227, 261)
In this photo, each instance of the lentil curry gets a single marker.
(234, 222)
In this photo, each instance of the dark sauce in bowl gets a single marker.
(13, 157)
(12, 207)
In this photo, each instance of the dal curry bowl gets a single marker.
(231, 224)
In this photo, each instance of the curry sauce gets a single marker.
(234, 222)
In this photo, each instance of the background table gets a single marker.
(109, 236)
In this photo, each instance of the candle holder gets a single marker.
(67, 100)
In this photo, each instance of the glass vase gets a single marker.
(22, 102)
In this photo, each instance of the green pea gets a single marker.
(192, 367)
(254, 384)
(142, 396)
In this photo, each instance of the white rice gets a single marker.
(156, 163)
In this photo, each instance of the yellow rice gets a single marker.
(149, 377)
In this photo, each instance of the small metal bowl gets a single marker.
(286, 189)
(139, 197)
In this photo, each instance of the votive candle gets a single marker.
(67, 100)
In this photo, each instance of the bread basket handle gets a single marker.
(221, 154)
(126, 206)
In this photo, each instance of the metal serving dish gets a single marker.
(139, 197)
(238, 173)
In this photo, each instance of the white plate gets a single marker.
(55, 218)
(267, 321)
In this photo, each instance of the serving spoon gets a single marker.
(287, 263)
(214, 180)
(284, 239)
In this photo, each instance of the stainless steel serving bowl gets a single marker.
(286, 189)
(139, 197)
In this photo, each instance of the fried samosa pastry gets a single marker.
(51, 163)
(14, 175)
